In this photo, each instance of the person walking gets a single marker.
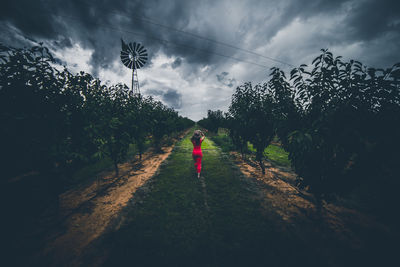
(197, 154)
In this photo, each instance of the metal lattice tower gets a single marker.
(133, 56)
(135, 82)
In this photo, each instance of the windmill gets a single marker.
(133, 56)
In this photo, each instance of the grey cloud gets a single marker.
(371, 19)
(177, 62)
(62, 42)
(223, 78)
(231, 82)
(169, 96)
(173, 98)
(154, 92)
(99, 25)
(144, 83)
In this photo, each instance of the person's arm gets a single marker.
(203, 136)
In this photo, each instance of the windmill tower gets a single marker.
(133, 56)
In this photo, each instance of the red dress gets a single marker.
(197, 155)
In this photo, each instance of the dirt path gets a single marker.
(352, 230)
(184, 221)
(278, 185)
(232, 216)
(89, 210)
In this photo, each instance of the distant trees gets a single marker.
(214, 120)
(53, 119)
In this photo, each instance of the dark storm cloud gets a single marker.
(307, 8)
(372, 19)
(365, 20)
(169, 96)
(99, 25)
(28, 16)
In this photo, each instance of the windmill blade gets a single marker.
(126, 63)
(143, 52)
(125, 60)
(131, 49)
(137, 47)
(141, 63)
(124, 54)
(144, 59)
(140, 50)
(133, 55)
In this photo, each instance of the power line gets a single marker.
(214, 41)
(151, 21)
(166, 41)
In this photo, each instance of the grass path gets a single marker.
(226, 219)
(180, 221)
(232, 216)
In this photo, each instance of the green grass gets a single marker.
(274, 153)
(223, 141)
(172, 227)
(169, 225)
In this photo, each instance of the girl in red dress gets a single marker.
(197, 154)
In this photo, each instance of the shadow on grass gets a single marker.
(167, 223)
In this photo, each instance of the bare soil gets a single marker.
(87, 211)
(352, 229)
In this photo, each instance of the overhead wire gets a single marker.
(166, 41)
(151, 21)
(119, 29)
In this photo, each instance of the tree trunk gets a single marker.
(259, 158)
(116, 168)
(260, 161)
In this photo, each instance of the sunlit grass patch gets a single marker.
(278, 155)
(274, 153)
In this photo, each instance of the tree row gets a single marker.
(56, 120)
(339, 121)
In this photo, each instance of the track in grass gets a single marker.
(182, 221)
(223, 219)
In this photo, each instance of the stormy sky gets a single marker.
(199, 51)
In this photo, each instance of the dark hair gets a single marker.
(196, 137)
